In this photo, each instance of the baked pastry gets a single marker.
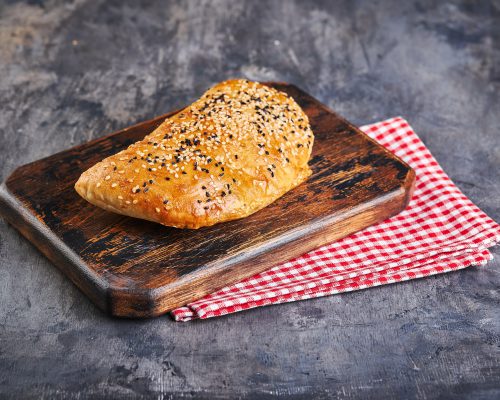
(237, 149)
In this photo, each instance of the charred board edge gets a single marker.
(16, 214)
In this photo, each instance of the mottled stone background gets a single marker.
(74, 70)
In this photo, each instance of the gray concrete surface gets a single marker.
(74, 70)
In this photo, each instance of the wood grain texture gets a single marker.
(135, 268)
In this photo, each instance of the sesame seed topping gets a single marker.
(205, 141)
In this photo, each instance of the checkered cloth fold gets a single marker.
(440, 231)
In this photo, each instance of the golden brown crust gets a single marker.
(238, 148)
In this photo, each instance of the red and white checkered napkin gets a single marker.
(440, 231)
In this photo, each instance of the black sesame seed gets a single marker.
(223, 194)
(146, 189)
(199, 201)
(184, 172)
(221, 174)
(267, 153)
(144, 184)
(167, 178)
(207, 194)
(114, 169)
(151, 181)
(165, 201)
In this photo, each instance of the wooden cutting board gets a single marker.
(135, 268)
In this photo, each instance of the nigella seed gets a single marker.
(167, 178)
(144, 184)
(223, 193)
(145, 190)
(150, 181)
(165, 201)
(184, 172)
(207, 194)
(204, 187)
(199, 201)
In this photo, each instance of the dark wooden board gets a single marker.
(135, 268)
